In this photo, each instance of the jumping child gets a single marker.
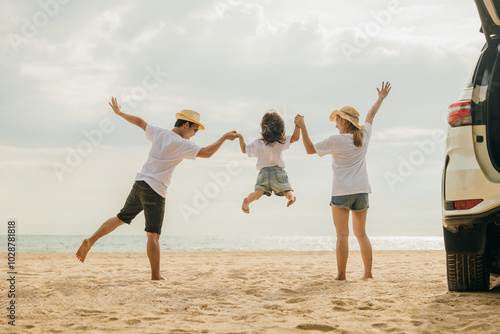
(269, 153)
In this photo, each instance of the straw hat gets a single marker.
(347, 113)
(191, 116)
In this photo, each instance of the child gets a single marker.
(269, 152)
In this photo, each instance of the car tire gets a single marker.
(467, 272)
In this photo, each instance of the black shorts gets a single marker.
(142, 197)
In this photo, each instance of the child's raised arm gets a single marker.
(242, 142)
(296, 134)
(382, 94)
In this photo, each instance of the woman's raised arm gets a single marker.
(382, 94)
(299, 121)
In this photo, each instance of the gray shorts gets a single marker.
(273, 179)
(354, 202)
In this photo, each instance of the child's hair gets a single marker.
(273, 128)
(357, 134)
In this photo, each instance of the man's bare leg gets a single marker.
(154, 255)
(249, 199)
(107, 227)
(290, 196)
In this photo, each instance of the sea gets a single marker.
(137, 243)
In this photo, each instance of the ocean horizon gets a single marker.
(137, 243)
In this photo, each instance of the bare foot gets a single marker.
(367, 277)
(292, 200)
(340, 278)
(245, 206)
(82, 252)
(157, 278)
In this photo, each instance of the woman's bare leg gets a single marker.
(341, 221)
(358, 225)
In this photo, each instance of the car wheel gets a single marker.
(467, 272)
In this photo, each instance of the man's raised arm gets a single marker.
(207, 152)
(130, 118)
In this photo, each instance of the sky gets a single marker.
(68, 162)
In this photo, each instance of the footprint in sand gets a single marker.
(271, 307)
(287, 291)
(316, 327)
(296, 300)
(384, 300)
(254, 292)
(340, 309)
(132, 321)
(86, 313)
(367, 306)
(81, 328)
(477, 328)
(339, 302)
(385, 327)
(343, 305)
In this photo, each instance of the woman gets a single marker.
(351, 186)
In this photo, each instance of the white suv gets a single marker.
(471, 175)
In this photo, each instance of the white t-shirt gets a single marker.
(348, 162)
(268, 155)
(167, 151)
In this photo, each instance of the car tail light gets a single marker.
(459, 114)
(467, 204)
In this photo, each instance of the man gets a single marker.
(168, 149)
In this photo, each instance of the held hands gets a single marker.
(115, 106)
(386, 88)
(231, 135)
(299, 121)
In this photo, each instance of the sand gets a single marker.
(243, 292)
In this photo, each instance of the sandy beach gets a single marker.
(243, 292)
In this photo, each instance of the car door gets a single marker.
(486, 94)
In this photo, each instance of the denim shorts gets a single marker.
(354, 202)
(142, 197)
(273, 179)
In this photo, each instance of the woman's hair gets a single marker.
(273, 128)
(357, 133)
